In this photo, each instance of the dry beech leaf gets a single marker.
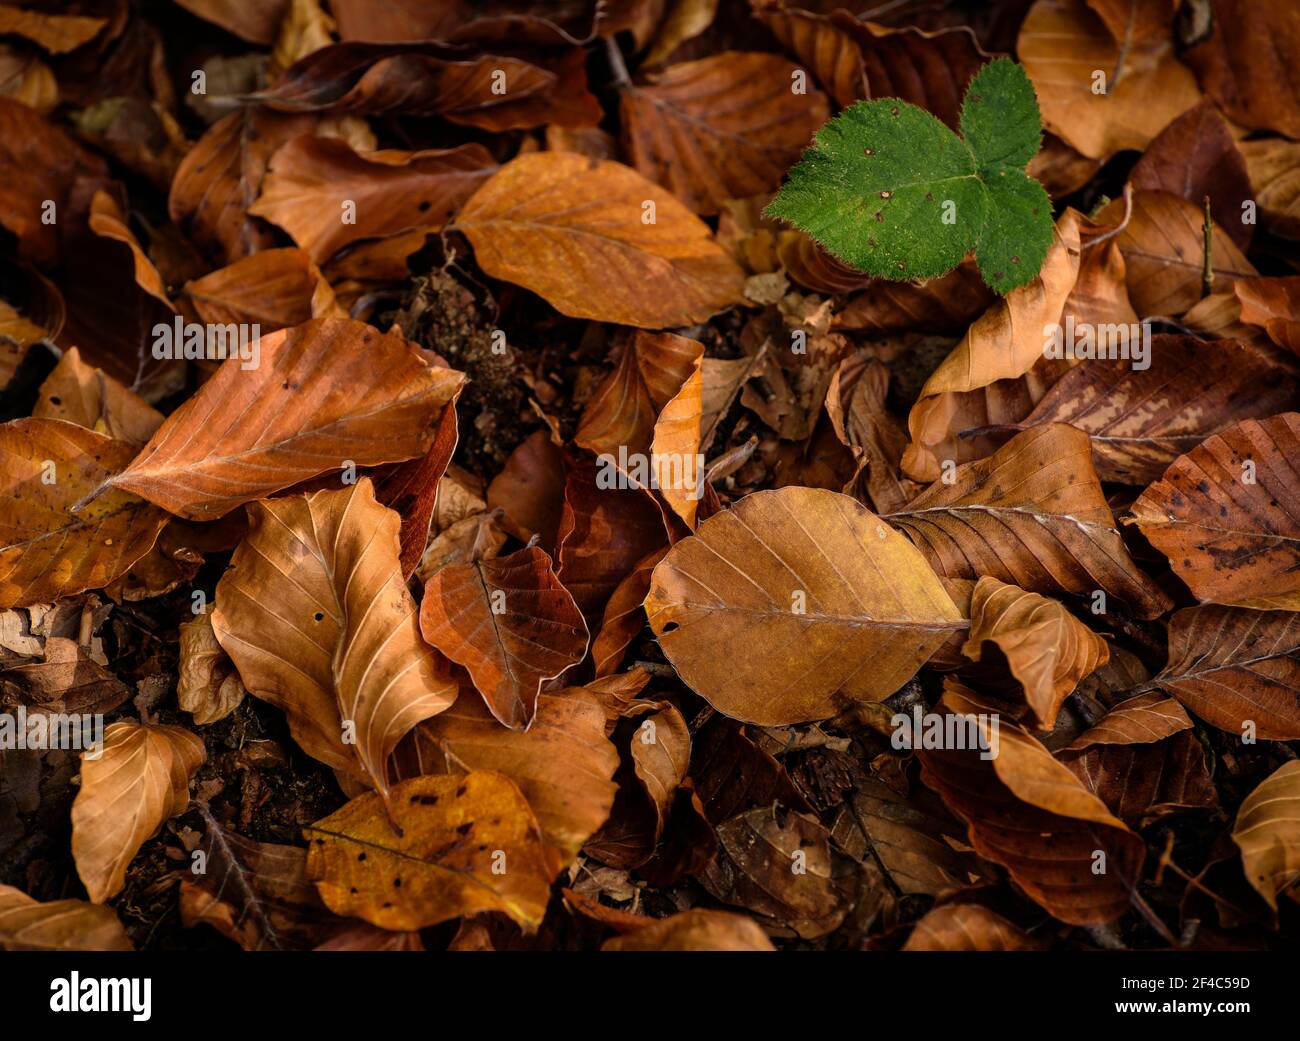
(603, 534)
(1267, 831)
(65, 679)
(274, 289)
(1027, 812)
(140, 779)
(1033, 514)
(208, 687)
(468, 844)
(255, 23)
(1137, 720)
(79, 393)
(624, 615)
(55, 33)
(254, 893)
(622, 414)
(58, 925)
(1274, 168)
(574, 231)
(723, 127)
(1227, 515)
(358, 395)
(855, 402)
(1237, 669)
(24, 77)
(510, 622)
(1246, 63)
(338, 649)
(695, 930)
(108, 221)
(833, 605)
(1046, 648)
(47, 551)
(530, 489)
(1141, 420)
(1274, 304)
(1196, 156)
(1063, 44)
(677, 463)
(947, 304)
(1142, 783)
(490, 91)
(753, 870)
(563, 764)
(313, 181)
(829, 51)
(1164, 252)
(967, 927)
(1004, 343)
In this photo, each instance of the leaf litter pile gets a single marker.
(649, 474)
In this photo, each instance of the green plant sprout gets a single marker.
(890, 190)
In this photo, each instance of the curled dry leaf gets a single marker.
(577, 232)
(58, 925)
(1046, 648)
(1267, 831)
(831, 604)
(510, 622)
(695, 930)
(1237, 669)
(1033, 515)
(208, 688)
(1227, 515)
(46, 551)
(326, 196)
(359, 395)
(140, 778)
(467, 845)
(1274, 168)
(723, 127)
(563, 764)
(967, 927)
(338, 649)
(1138, 720)
(1027, 812)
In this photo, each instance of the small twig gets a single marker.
(1207, 272)
(1153, 919)
(617, 66)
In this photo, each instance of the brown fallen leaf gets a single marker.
(967, 927)
(830, 52)
(327, 196)
(1274, 304)
(47, 551)
(1141, 783)
(1195, 156)
(468, 844)
(695, 930)
(530, 489)
(563, 764)
(624, 615)
(1164, 252)
(1141, 420)
(360, 396)
(58, 925)
(274, 289)
(140, 778)
(1236, 669)
(255, 23)
(781, 866)
(25, 78)
(208, 687)
(1227, 515)
(82, 394)
(255, 893)
(510, 622)
(1274, 168)
(1033, 514)
(1027, 812)
(1245, 63)
(1267, 831)
(55, 33)
(855, 402)
(1138, 720)
(65, 679)
(1046, 648)
(338, 650)
(795, 576)
(724, 127)
(578, 232)
(1064, 45)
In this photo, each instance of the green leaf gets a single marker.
(891, 191)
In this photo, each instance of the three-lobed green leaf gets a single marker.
(889, 189)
